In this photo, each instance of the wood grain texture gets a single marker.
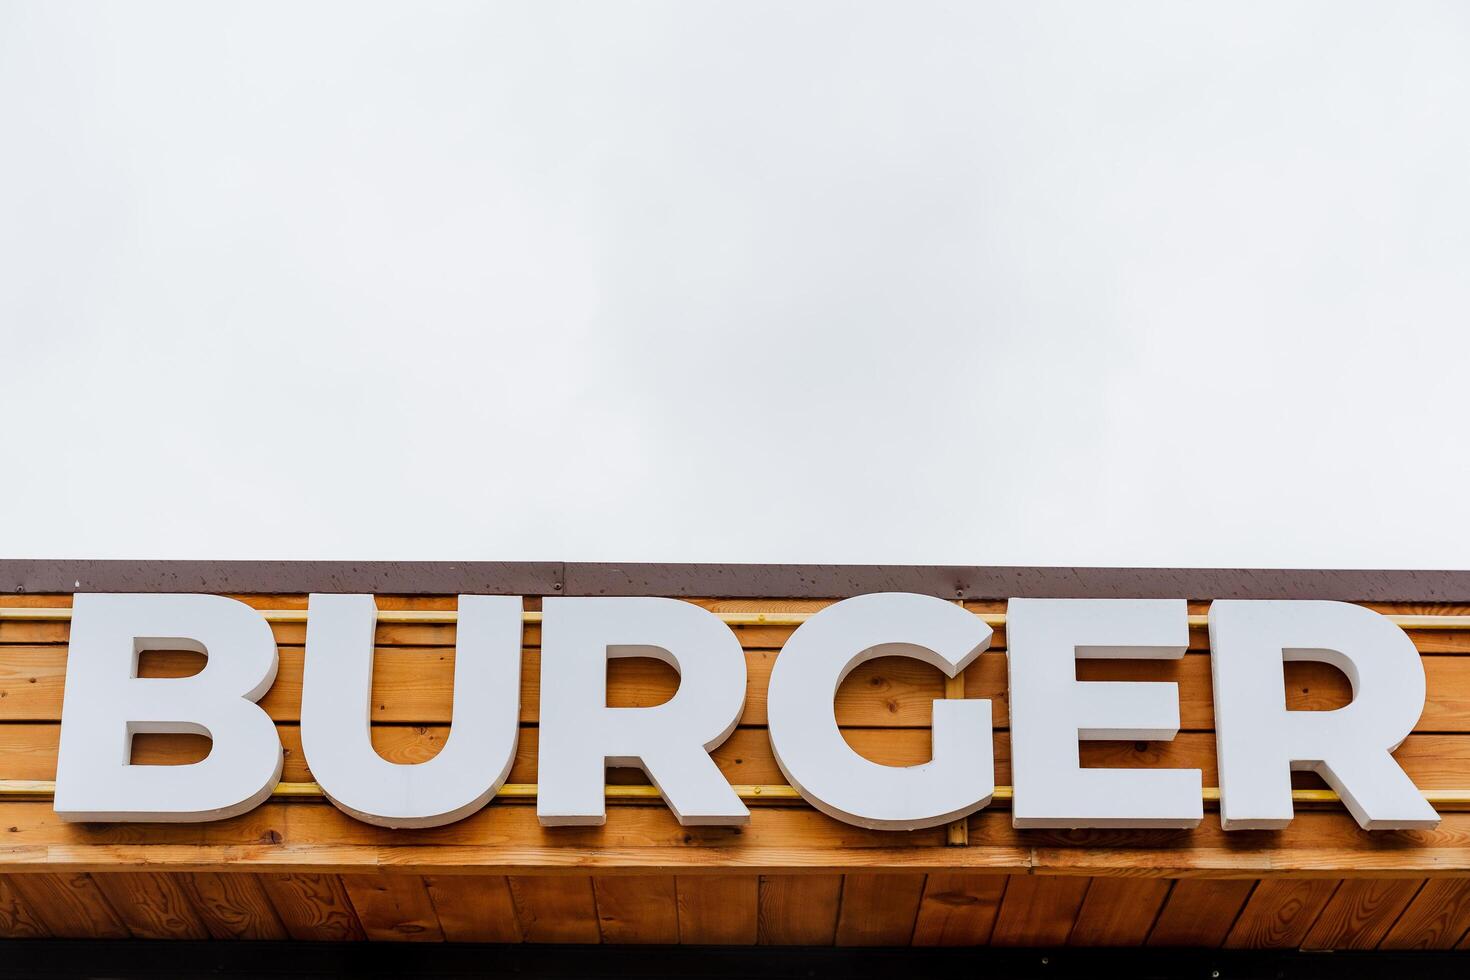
(641, 909)
(233, 906)
(1200, 912)
(718, 909)
(879, 910)
(1118, 911)
(557, 909)
(1437, 917)
(753, 638)
(28, 751)
(286, 837)
(1038, 910)
(474, 908)
(69, 905)
(744, 758)
(958, 909)
(16, 919)
(1280, 913)
(799, 910)
(260, 875)
(415, 684)
(152, 906)
(394, 907)
(1361, 913)
(313, 907)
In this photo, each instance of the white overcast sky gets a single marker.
(1023, 283)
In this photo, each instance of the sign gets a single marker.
(1259, 741)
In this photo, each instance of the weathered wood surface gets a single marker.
(939, 908)
(858, 909)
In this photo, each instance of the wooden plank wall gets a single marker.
(303, 870)
(937, 909)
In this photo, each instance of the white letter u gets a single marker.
(336, 710)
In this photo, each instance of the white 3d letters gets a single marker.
(1051, 710)
(1259, 741)
(106, 703)
(581, 735)
(810, 749)
(336, 712)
